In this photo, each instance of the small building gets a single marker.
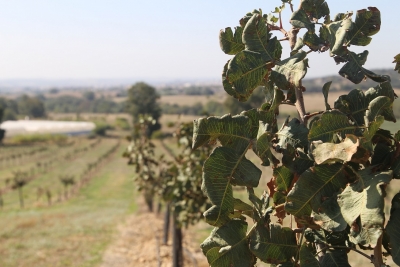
(21, 127)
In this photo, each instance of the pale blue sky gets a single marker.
(176, 39)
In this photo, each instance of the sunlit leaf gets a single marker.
(328, 152)
(289, 72)
(382, 105)
(331, 123)
(325, 91)
(335, 34)
(397, 61)
(364, 199)
(231, 43)
(367, 23)
(329, 216)
(221, 170)
(314, 184)
(299, 19)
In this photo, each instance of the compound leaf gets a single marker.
(367, 23)
(231, 43)
(365, 199)
(313, 185)
(227, 246)
(325, 91)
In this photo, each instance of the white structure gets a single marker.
(41, 127)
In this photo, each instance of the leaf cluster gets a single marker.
(330, 168)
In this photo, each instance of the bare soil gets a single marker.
(139, 243)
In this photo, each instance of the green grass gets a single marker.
(72, 233)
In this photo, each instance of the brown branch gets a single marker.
(377, 257)
(308, 116)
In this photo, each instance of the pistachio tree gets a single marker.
(330, 168)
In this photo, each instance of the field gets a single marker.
(100, 220)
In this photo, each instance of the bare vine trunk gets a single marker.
(177, 250)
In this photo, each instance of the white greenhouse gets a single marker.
(45, 127)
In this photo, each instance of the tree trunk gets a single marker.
(21, 197)
(149, 200)
(177, 250)
(166, 224)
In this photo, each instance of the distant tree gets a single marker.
(89, 95)
(2, 132)
(142, 100)
(31, 106)
(234, 106)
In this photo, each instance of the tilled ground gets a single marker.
(139, 243)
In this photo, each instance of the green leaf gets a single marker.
(316, 8)
(382, 89)
(299, 45)
(221, 170)
(393, 229)
(331, 123)
(328, 152)
(353, 104)
(255, 116)
(397, 136)
(289, 72)
(256, 38)
(264, 146)
(273, 244)
(335, 34)
(368, 23)
(283, 178)
(382, 105)
(293, 133)
(364, 199)
(397, 61)
(312, 40)
(227, 246)
(231, 43)
(245, 72)
(325, 91)
(231, 131)
(241, 206)
(370, 132)
(307, 258)
(354, 71)
(313, 185)
(299, 19)
(329, 216)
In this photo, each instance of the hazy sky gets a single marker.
(62, 39)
